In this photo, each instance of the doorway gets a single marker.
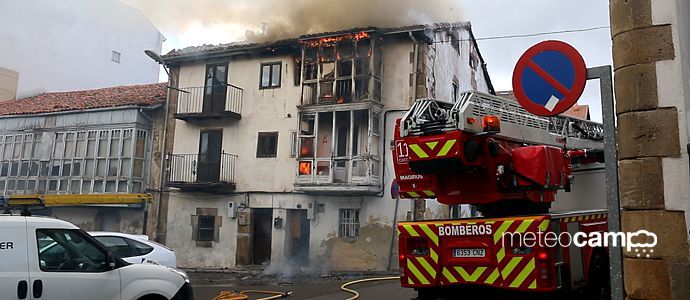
(297, 239)
(208, 166)
(261, 235)
(215, 89)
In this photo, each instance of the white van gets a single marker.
(48, 259)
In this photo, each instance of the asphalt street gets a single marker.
(327, 288)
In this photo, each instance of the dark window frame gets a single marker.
(270, 75)
(206, 237)
(267, 152)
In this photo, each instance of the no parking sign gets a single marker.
(549, 78)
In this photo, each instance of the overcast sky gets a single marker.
(490, 18)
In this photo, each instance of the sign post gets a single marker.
(548, 79)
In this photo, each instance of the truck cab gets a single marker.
(46, 258)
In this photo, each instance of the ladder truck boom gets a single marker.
(484, 149)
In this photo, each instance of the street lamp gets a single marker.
(157, 58)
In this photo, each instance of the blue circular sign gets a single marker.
(549, 78)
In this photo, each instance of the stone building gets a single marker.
(651, 54)
(282, 151)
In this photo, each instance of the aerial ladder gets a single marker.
(487, 151)
(27, 202)
(484, 150)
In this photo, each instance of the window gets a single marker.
(139, 247)
(116, 56)
(116, 245)
(64, 250)
(349, 223)
(267, 145)
(344, 70)
(206, 228)
(456, 90)
(270, 75)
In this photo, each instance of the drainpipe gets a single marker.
(415, 65)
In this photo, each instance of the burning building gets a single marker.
(282, 151)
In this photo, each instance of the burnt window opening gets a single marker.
(341, 70)
(270, 75)
(456, 90)
(348, 225)
(267, 145)
(339, 147)
(298, 71)
(206, 228)
(454, 40)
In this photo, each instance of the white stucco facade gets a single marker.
(69, 45)
(273, 183)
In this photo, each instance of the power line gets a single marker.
(500, 37)
(541, 33)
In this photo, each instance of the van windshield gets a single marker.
(67, 250)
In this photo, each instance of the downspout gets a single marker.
(415, 65)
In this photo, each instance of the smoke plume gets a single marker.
(268, 20)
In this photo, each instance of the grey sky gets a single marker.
(489, 18)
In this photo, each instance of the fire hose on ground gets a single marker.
(243, 295)
(355, 293)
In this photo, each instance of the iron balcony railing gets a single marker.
(201, 168)
(210, 100)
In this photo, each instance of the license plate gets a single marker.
(469, 252)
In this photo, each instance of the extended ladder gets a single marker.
(431, 116)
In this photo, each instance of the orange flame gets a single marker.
(334, 39)
(305, 168)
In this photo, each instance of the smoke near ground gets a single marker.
(280, 19)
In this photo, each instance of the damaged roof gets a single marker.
(133, 95)
(238, 46)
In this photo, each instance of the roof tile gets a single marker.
(133, 95)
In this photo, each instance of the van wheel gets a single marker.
(599, 285)
(152, 297)
(427, 294)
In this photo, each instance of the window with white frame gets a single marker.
(339, 147)
(87, 161)
(349, 223)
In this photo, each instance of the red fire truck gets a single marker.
(512, 166)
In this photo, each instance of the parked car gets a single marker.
(45, 258)
(136, 249)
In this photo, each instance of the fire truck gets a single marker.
(512, 166)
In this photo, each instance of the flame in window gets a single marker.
(305, 168)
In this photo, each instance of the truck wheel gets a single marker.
(599, 285)
(427, 294)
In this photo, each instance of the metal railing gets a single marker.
(201, 168)
(191, 100)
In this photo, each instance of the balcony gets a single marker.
(202, 172)
(209, 102)
(339, 176)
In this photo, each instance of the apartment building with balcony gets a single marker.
(281, 151)
(99, 141)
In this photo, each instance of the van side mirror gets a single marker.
(110, 262)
